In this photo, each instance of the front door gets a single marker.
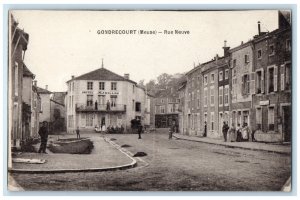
(287, 123)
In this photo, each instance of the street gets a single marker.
(174, 165)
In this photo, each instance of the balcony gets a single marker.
(100, 108)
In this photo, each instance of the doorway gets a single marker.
(287, 123)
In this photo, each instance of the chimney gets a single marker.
(226, 49)
(242, 42)
(72, 77)
(126, 76)
(46, 87)
(258, 24)
(217, 57)
(35, 83)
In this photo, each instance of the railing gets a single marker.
(100, 107)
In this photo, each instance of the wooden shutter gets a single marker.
(275, 78)
(252, 83)
(262, 81)
(282, 81)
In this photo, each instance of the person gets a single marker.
(239, 133)
(108, 105)
(246, 132)
(78, 133)
(225, 130)
(172, 129)
(43, 132)
(96, 105)
(140, 129)
(205, 129)
(231, 133)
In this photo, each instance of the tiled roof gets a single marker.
(102, 74)
(43, 91)
(59, 97)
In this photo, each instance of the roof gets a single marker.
(59, 97)
(43, 91)
(27, 72)
(102, 74)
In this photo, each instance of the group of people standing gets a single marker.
(239, 134)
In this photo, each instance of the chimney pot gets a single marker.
(72, 76)
(258, 24)
(35, 83)
(46, 87)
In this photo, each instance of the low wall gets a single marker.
(267, 137)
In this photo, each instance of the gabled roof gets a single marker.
(43, 91)
(102, 74)
(59, 97)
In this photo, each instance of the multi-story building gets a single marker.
(35, 110)
(149, 111)
(210, 90)
(27, 107)
(242, 84)
(194, 109)
(45, 112)
(182, 108)
(104, 99)
(18, 46)
(272, 99)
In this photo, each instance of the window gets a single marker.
(272, 50)
(162, 101)
(286, 76)
(205, 80)
(89, 101)
(288, 45)
(226, 74)
(101, 99)
(73, 86)
(259, 54)
(198, 99)
(272, 79)
(234, 63)
(221, 96)
(101, 85)
(259, 82)
(212, 78)
(247, 58)
(16, 79)
(89, 85)
(138, 107)
(258, 118)
(205, 97)
(245, 84)
(226, 95)
(162, 109)
(220, 75)
(113, 86)
(212, 96)
(113, 100)
(212, 121)
(133, 105)
(271, 118)
(89, 120)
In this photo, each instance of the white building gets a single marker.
(102, 97)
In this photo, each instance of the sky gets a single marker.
(66, 43)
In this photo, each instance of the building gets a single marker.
(193, 110)
(27, 94)
(105, 99)
(18, 46)
(149, 111)
(35, 110)
(242, 84)
(57, 112)
(182, 108)
(166, 108)
(272, 99)
(45, 112)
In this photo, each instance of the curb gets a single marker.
(119, 167)
(231, 146)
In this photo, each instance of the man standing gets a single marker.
(205, 129)
(43, 132)
(224, 130)
(140, 129)
(78, 133)
(172, 129)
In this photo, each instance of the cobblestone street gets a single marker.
(175, 165)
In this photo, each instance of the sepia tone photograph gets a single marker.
(103, 100)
